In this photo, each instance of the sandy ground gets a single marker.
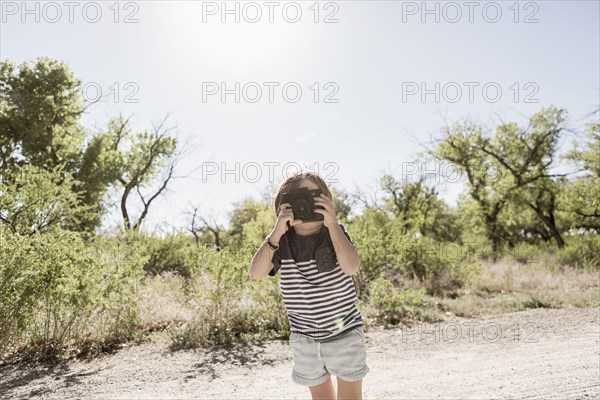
(535, 354)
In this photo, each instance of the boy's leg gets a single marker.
(349, 390)
(324, 391)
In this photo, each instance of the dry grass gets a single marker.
(502, 287)
(162, 299)
(507, 286)
(164, 305)
(506, 276)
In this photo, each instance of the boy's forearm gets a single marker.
(344, 250)
(261, 262)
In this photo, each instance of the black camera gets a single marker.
(303, 204)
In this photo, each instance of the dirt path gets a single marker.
(535, 354)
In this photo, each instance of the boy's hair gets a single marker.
(294, 181)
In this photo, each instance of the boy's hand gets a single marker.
(329, 216)
(284, 216)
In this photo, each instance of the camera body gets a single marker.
(303, 204)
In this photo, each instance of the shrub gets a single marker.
(581, 251)
(47, 286)
(227, 303)
(121, 261)
(394, 305)
(441, 266)
(55, 288)
(171, 252)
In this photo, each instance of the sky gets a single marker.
(349, 89)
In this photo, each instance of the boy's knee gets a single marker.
(323, 391)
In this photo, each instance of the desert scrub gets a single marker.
(169, 252)
(214, 293)
(121, 261)
(442, 267)
(581, 251)
(56, 289)
(47, 286)
(393, 305)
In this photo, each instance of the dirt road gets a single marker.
(535, 354)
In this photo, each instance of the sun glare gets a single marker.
(246, 38)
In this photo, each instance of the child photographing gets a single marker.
(317, 258)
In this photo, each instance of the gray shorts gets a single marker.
(344, 357)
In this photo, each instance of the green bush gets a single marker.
(56, 288)
(392, 304)
(440, 266)
(385, 250)
(581, 251)
(47, 286)
(171, 252)
(228, 305)
(121, 261)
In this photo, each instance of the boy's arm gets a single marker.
(344, 250)
(267, 261)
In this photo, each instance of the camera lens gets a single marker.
(303, 209)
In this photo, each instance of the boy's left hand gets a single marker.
(329, 216)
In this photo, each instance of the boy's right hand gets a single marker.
(285, 215)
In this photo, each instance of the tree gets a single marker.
(342, 202)
(204, 230)
(526, 157)
(250, 221)
(580, 197)
(137, 160)
(40, 107)
(36, 200)
(417, 209)
(460, 147)
(521, 159)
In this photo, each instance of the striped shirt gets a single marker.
(319, 298)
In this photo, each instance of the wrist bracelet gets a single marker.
(271, 245)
